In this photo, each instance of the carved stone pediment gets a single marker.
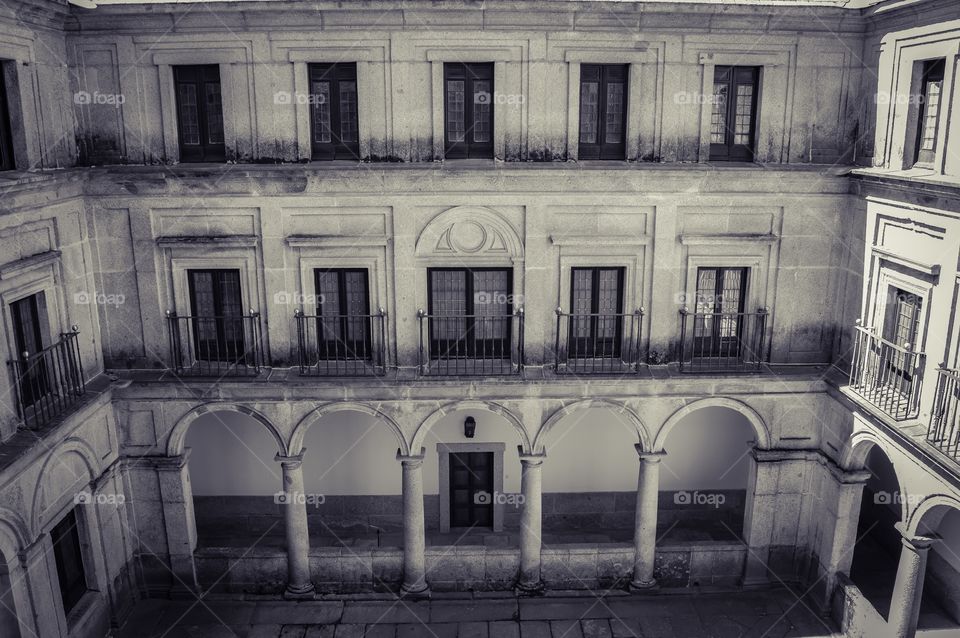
(469, 230)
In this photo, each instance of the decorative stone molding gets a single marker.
(469, 231)
(11, 269)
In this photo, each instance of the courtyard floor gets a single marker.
(754, 614)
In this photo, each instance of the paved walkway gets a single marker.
(763, 614)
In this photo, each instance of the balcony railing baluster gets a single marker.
(611, 344)
(49, 382)
(470, 345)
(341, 345)
(943, 431)
(723, 341)
(208, 346)
(887, 375)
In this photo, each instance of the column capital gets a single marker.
(412, 459)
(531, 460)
(291, 461)
(915, 542)
(649, 456)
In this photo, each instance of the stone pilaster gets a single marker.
(645, 521)
(908, 589)
(33, 592)
(531, 519)
(177, 501)
(414, 534)
(299, 584)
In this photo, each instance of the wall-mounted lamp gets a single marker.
(469, 427)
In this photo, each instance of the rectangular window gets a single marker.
(733, 119)
(928, 115)
(596, 302)
(901, 328)
(719, 320)
(216, 315)
(343, 309)
(335, 132)
(472, 311)
(603, 111)
(199, 113)
(6, 138)
(69, 561)
(468, 117)
(31, 335)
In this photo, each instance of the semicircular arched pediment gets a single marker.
(469, 230)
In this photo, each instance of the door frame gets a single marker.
(443, 452)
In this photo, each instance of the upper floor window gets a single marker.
(31, 335)
(596, 302)
(6, 139)
(719, 319)
(733, 121)
(603, 111)
(343, 309)
(468, 118)
(928, 120)
(471, 311)
(333, 111)
(69, 560)
(217, 319)
(200, 113)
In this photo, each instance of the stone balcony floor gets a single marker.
(754, 614)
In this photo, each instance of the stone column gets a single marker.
(414, 534)
(176, 500)
(838, 517)
(908, 589)
(531, 485)
(33, 592)
(298, 533)
(762, 493)
(645, 521)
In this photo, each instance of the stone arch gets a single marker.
(469, 230)
(314, 415)
(620, 408)
(755, 420)
(455, 406)
(854, 454)
(178, 434)
(71, 446)
(935, 507)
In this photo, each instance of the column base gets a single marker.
(301, 592)
(529, 589)
(421, 590)
(644, 586)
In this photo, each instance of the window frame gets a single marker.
(335, 73)
(729, 150)
(72, 591)
(221, 352)
(8, 158)
(361, 348)
(203, 74)
(715, 336)
(469, 72)
(587, 347)
(468, 346)
(932, 70)
(603, 150)
(35, 384)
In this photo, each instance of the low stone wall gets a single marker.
(854, 614)
(469, 567)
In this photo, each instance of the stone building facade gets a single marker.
(674, 306)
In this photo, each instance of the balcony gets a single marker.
(942, 431)
(470, 345)
(341, 345)
(713, 342)
(208, 346)
(887, 375)
(598, 343)
(49, 382)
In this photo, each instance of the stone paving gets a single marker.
(757, 614)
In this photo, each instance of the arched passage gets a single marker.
(13, 538)
(351, 476)
(876, 553)
(940, 604)
(234, 477)
(705, 473)
(590, 473)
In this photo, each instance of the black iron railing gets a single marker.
(453, 345)
(208, 346)
(341, 345)
(49, 382)
(723, 341)
(943, 431)
(598, 343)
(887, 375)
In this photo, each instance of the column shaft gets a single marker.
(908, 589)
(414, 535)
(531, 485)
(645, 522)
(299, 584)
